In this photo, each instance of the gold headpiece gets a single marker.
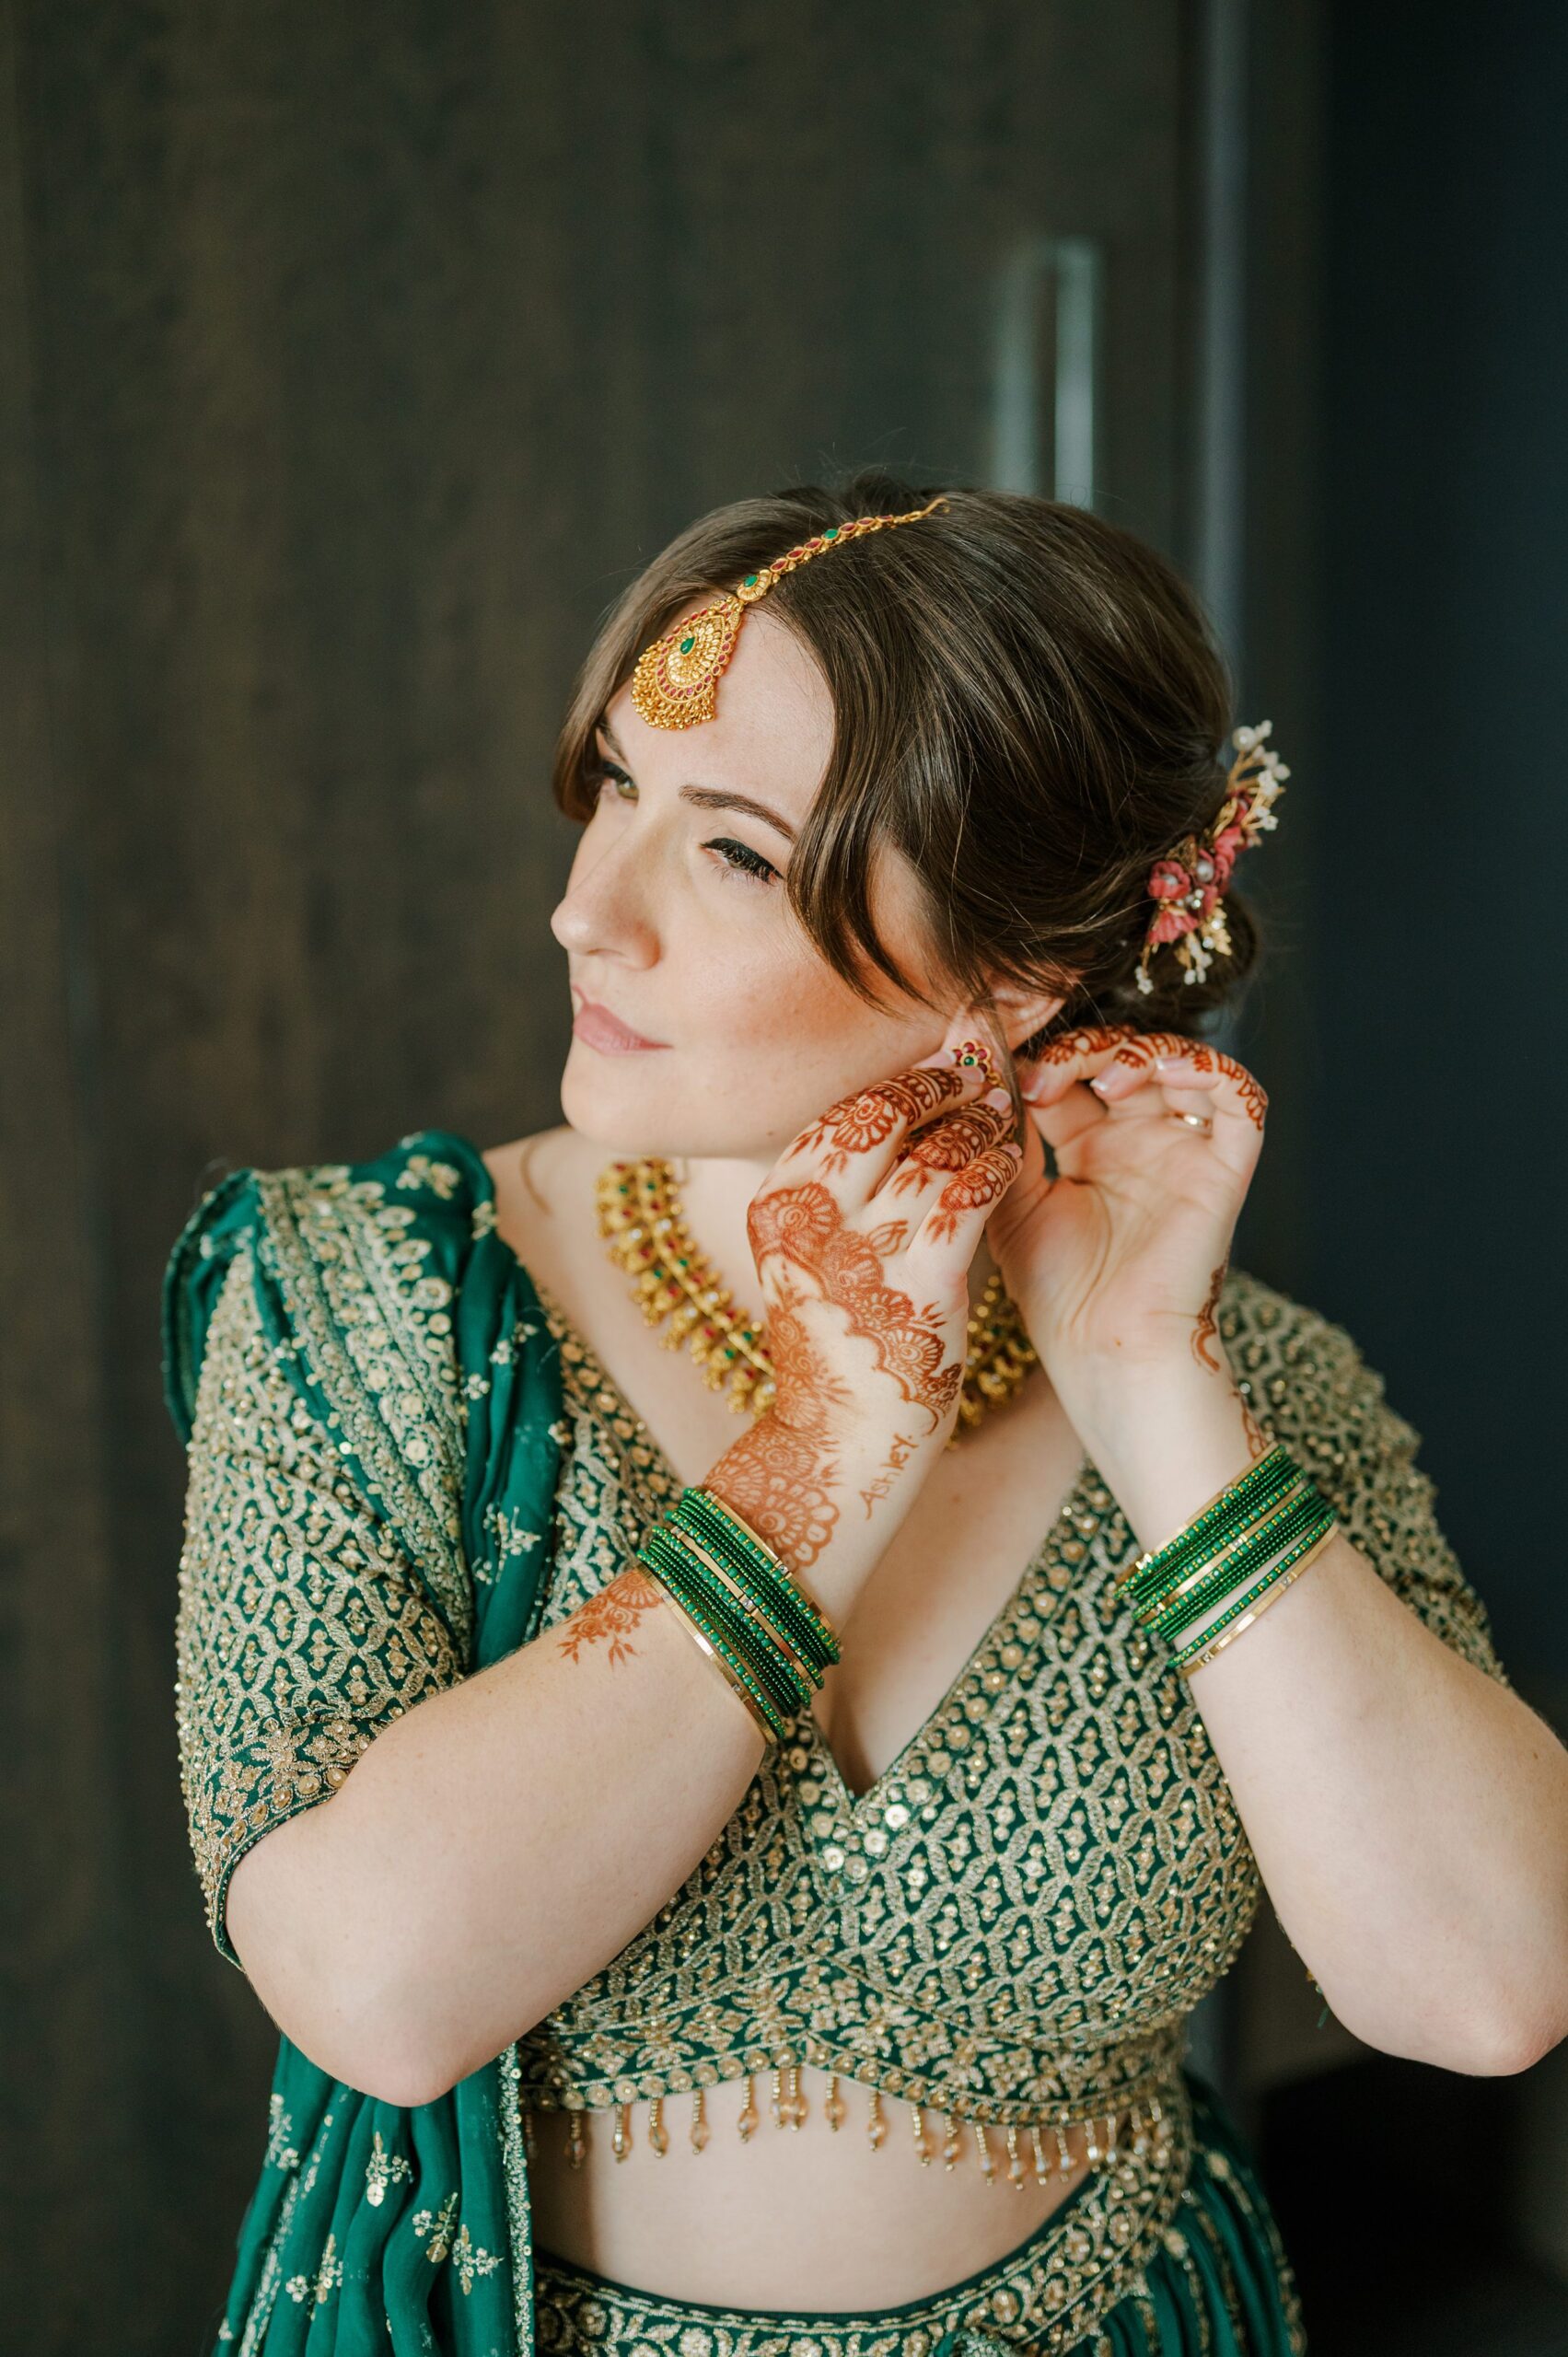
(677, 677)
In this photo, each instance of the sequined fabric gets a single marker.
(1017, 1917)
(398, 1475)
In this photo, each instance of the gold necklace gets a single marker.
(639, 1211)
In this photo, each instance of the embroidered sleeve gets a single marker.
(302, 1630)
(1313, 1389)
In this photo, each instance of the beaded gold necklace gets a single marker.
(639, 1211)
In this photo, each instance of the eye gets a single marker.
(598, 771)
(744, 861)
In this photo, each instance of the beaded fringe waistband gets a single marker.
(1139, 2127)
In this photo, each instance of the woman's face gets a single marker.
(676, 920)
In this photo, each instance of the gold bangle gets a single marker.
(785, 1571)
(1291, 1497)
(667, 1595)
(756, 1613)
(1130, 1570)
(1269, 1596)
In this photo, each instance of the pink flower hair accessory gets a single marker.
(1188, 885)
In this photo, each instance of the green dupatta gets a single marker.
(376, 2228)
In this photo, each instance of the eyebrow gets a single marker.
(714, 797)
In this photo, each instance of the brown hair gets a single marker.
(1029, 704)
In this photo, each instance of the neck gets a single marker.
(714, 1196)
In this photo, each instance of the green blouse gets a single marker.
(403, 1463)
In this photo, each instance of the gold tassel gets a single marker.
(699, 2131)
(622, 2140)
(530, 2131)
(1093, 2148)
(1042, 2167)
(796, 2105)
(835, 2106)
(953, 2143)
(1062, 2154)
(658, 2136)
(1015, 2158)
(987, 2159)
(749, 2116)
(577, 2136)
(876, 2126)
(923, 2143)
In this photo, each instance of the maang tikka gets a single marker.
(676, 681)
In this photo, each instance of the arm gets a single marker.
(1408, 1811)
(493, 1839)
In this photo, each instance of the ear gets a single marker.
(1024, 1012)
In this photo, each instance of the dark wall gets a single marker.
(352, 361)
(1438, 1097)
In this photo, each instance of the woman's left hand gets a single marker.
(1117, 1263)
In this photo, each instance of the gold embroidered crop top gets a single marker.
(1013, 1923)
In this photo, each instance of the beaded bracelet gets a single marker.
(1275, 1587)
(773, 1669)
(1233, 1504)
(739, 1601)
(764, 1575)
(1302, 1511)
(703, 1513)
(736, 1679)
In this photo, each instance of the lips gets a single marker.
(599, 1029)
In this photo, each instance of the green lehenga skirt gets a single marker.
(1200, 2274)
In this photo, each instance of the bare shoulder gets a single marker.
(545, 1207)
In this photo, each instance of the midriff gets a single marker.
(794, 2217)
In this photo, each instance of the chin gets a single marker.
(642, 1116)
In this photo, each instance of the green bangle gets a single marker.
(1279, 1529)
(1321, 1525)
(718, 1636)
(1222, 1550)
(733, 1538)
(665, 1554)
(744, 1590)
(774, 1594)
(1239, 1502)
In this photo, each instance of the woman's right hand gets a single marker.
(862, 1234)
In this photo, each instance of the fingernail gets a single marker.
(999, 1097)
(1099, 1082)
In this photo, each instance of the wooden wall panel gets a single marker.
(357, 358)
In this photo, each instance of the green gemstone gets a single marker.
(750, 580)
(831, 535)
(686, 644)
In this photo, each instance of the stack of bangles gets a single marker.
(766, 1638)
(1274, 1521)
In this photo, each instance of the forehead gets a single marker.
(772, 725)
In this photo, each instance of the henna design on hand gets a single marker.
(1139, 1048)
(1206, 1326)
(897, 1459)
(780, 1473)
(1258, 1440)
(855, 1124)
(611, 1614)
(985, 1182)
(951, 1144)
(808, 1225)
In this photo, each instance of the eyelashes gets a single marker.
(735, 858)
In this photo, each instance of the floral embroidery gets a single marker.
(383, 2169)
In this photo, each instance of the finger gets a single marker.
(1114, 1063)
(857, 1141)
(970, 1195)
(945, 1147)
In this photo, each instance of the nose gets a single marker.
(608, 904)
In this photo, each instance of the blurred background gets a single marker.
(351, 361)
